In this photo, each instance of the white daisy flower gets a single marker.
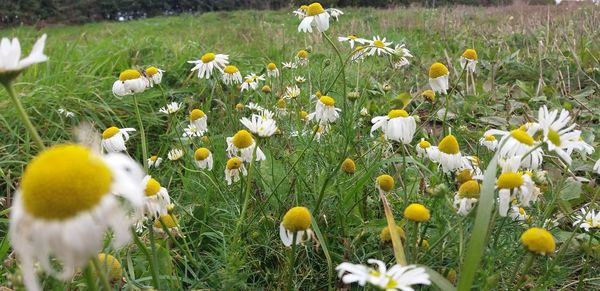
(301, 11)
(289, 65)
(114, 138)
(203, 159)
(397, 125)
(154, 161)
(588, 219)
(438, 78)
(315, 16)
(171, 108)
(469, 59)
(302, 57)
(66, 113)
(157, 198)
(208, 62)
(292, 92)
(325, 112)
(233, 169)
(175, 154)
(266, 113)
(10, 56)
(402, 54)
(263, 127)
(335, 13)
(489, 141)
(448, 154)
(251, 82)
(351, 39)
(242, 145)
(231, 75)
(359, 54)
(65, 206)
(558, 135)
(272, 70)
(364, 111)
(511, 184)
(300, 79)
(154, 76)
(425, 149)
(192, 131)
(470, 164)
(254, 106)
(198, 119)
(130, 82)
(379, 46)
(518, 142)
(295, 222)
(518, 213)
(396, 278)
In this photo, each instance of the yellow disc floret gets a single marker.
(303, 114)
(326, 100)
(417, 212)
(154, 158)
(385, 235)
(522, 136)
(424, 144)
(464, 176)
(129, 75)
(168, 219)
(196, 114)
(151, 71)
(266, 89)
(348, 166)
(303, 54)
(385, 182)
(315, 9)
(111, 266)
(242, 139)
(469, 189)
(208, 57)
(234, 163)
(429, 95)
(437, 70)
(489, 137)
(152, 187)
(201, 154)
(509, 180)
(281, 104)
(449, 145)
(110, 132)
(296, 219)
(271, 66)
(230, 69)
(538, 240)
(470, 54)
(397, 113)
(554, 137)
(63, 181)
(378, 43)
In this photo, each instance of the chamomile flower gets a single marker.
(301, 11)
(66, 113)
(154, 75)
(438, 78)
(300, 79)
(231, 75)
(203, 159)
(428, 95)
(518, 213)
(157, 197)
(316, 17)
(233, 169)
(114, 138)
(175, 154)
(281, 107)
(425, 149)
(254, 106)
(560, 137)
(302, 57)
(466, 197)
(207, 64)
(111, 267)
(379, 46)
(291, 92)
(289, 65)
(251, 82)
(518, 142)
(397, 125)
(130, 82)
(489, 141)
(448, 154)
(325, 112)
(295, 226)
(272, 70)
(335, 13)
(242, 145)
(198, 119)
(351, 39)
(588, 219)
(538, 241)
(513, 184)
(10, 57)
(261, 126)
(192, 131)
(154, 161)
(417, 212)
(65, 205)
(469, 60)
(396, 278)
(470, 168)
(401, 55)
(171, 108)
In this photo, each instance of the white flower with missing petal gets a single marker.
(10, 57)
(397, 125)
(171, 108)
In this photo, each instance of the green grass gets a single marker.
(516, 46)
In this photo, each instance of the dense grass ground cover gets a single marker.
(528, 57)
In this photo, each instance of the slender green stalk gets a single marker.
(292, 259)
(154, 260)
(89, 277)
(247, 191)
(149, 257)
(184, 247)
(416, 244)
(24, 117)
(530, 260)
(142, 133)
(342, 70)
(101, 274)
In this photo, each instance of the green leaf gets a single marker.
(571, 191)
(439, 280)
(319, 235)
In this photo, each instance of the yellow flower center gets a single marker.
(271, 66)
(266, 89)
(429, 95)
(196, 114)
(509, 180)
(151, 71)
(239, 106)
(303, 54)
(538, 240)
(242, 139)
(464, 176)
(378, 43)
(129, 75)
(348, 166)
(521, 210)
(152, 187)
(110, 132)
(111, 267)
(397, 113)
(385, 235)
(154, 158)
(417, 212)
(63, 181)
(168, 219)
(437, 70)
(522, 136)
(234, 163)
(554, 137)
(326, 100)
(303, 114)
(208, 57)
(385, 182)
(469, 189)
(449, 145)
(470, 54)
(201, 154)
(230, 69)
(489, 137)
(296, 219)
(424, 144)
(352, 37)
(315, 9)
(281, 104)
(304, 7)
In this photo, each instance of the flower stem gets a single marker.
(342, 70)
(101, 274)
(154, 260)
(24, 117)
(142, 133)
(89, 278)
(142, 247)
(292, 258)
(530, 260)
(416, 244)
(396, 242)
(247, 191)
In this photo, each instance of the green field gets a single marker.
(529, 56)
